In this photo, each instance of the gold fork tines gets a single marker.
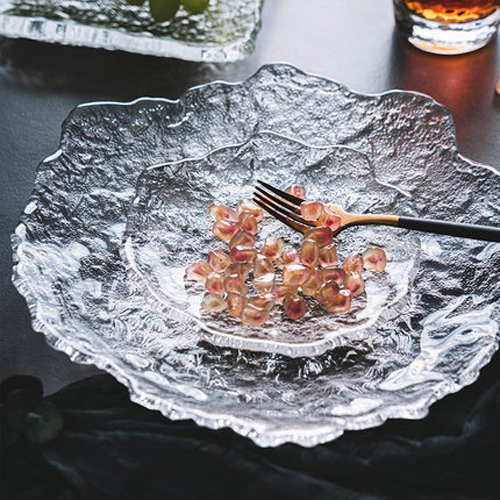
(294, 224)
(286, 208)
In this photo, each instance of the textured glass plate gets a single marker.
(224, 33)
(68, 267)
(169, 228)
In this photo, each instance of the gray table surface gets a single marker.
(353, 42)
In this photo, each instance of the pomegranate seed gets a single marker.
(294, 306)
(248, 222)
(328, 256)
(233, 283)
(330, 219)
(273, 247)
(262, 265)
(313, 284)
(239, 228)
(241, 253)
(262, 300)
(215, 283)
(281, 291)
(288, 257)
(213, 302)
(341, 304)
(219, 260)
(224, 229)
(335, 274)
(311, 210)
(327, 293)
(198, 271)
(235, 303)
(263, 283)
(309, 253)
(240, 269)
(296, 190)
(323, 236)
(374, 259)
(251, 207)
(220, 212)
(296, 274)
(254, 316)
(353, 263)
(354, 282)
(241, 237)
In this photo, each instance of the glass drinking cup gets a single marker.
(448, 26)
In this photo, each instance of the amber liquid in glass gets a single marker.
(453, 11)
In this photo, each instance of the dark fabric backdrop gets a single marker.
(112, 448)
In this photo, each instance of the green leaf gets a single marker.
(43, 423)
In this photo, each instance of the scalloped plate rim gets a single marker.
(168, 408)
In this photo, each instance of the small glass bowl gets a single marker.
(168, 229)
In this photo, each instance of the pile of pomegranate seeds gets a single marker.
(249, 283)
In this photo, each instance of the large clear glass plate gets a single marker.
(225, 32)
(168, 229)
(68, 267)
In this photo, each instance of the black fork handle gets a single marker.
(473, 231)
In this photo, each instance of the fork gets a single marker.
(286, 208)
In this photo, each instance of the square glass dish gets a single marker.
(225, 32)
